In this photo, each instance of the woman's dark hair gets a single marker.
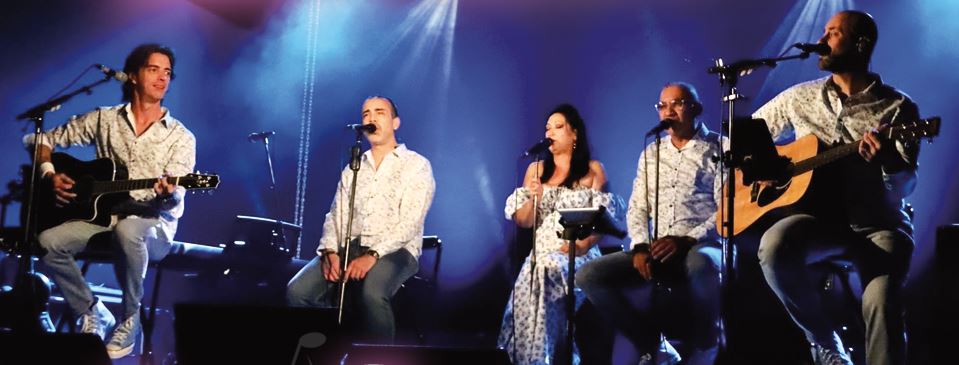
(579, 164)
(138, 58)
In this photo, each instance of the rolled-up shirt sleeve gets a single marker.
(80, 130)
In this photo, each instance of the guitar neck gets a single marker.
(824, 158)
(105, 187)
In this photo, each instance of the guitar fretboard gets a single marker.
(825, 157)
(104, 187)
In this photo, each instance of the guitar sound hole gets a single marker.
(768, 195)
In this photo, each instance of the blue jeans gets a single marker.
(136, 240)
(606, 280)
(881, 258)
(370, 297)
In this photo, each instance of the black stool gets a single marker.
(182, 256)
(426, 278)
(843, 306)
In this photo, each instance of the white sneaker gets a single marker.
(97, 320)
(46, 323)
(665, 355)
(828, 356)
(124, 337)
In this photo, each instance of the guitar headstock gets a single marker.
(914, 131)
(200, 181)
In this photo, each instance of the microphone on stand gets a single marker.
(663, 125)
(538, 147)
(818, 48)
(368, 128)
(116, 74)
(259, 136)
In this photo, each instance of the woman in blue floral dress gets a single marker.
(534, 324)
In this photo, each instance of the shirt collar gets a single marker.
(700, 135)
(399, 151)
(869, 91)
(165, 119)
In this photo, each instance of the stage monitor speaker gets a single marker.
(234, 334)
(363, 354)
(52, 349)
(947, 296)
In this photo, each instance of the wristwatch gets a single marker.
(375, 254)
(328, 251)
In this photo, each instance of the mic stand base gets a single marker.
(570, 234)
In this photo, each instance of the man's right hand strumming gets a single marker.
(61, 188)
(331, 267)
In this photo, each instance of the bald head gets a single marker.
(863, 29)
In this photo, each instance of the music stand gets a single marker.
(754, 152)
(579, 223)
(259, 241)
(728, 79)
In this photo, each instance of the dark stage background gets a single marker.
(473, 81)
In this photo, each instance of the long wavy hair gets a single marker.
(579, 164)
(138, 58)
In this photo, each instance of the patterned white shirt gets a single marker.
(167, 146)
(691, 188)
(871, 198)
(390, 206)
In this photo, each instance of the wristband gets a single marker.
(47, 167)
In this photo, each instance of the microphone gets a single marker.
(260, 136)
(663, 125)
(819, 48)
(116, 74)
(368, 128)
(539, 147)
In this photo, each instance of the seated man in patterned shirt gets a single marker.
(142, 135)
(867, 221)
(394, 190)
(682, 251)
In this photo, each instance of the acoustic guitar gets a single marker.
(101, 185)
(756, 200)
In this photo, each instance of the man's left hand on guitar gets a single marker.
(871, 148)
(163, 188)
(665, 248)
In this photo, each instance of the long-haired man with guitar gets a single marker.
(863, 218)
(142, 135)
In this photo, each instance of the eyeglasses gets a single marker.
(675, 103)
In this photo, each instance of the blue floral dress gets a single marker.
(534, 324)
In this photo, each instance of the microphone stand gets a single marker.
(355, 155)
(577, 228)
(36, 284)
(659, 288)
(277, 237)
(532, 257)
(537, 162)
(728, 78)
(571, 234)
